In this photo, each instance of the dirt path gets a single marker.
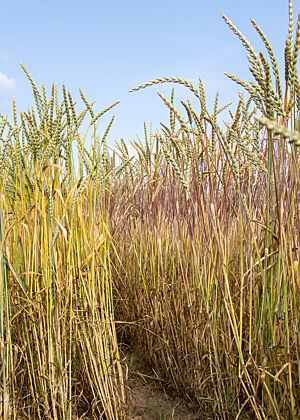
(147, 399)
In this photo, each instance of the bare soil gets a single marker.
(147, 398)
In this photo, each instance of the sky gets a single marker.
(108, 47)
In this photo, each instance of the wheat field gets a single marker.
(187, 251)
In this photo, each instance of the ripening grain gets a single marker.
(187, 252)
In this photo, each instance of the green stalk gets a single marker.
(268, 235)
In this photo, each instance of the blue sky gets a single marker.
(109, 47)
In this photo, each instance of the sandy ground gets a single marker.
(148, 400)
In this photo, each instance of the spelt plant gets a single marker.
(59, 352)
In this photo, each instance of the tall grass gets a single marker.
(188, 252)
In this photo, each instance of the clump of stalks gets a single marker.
(206, 229)
(59, 352)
